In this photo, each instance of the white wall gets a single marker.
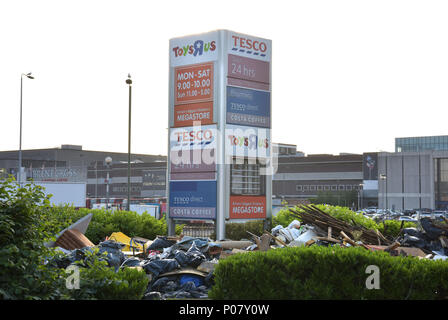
(65, 193)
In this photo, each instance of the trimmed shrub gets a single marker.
(327, 273)
(237, 230)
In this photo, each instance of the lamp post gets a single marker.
(129, 82)
(107, 161)
(29, 76)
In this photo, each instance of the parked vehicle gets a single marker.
(407, 218)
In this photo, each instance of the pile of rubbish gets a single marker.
(429, 240)
(431, 237)
(177, 267)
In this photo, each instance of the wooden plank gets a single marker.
(328, 239)
(309, 242)
(276, 239)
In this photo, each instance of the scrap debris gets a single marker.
(321, 220)
(430, 241)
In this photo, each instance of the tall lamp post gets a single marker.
(129, 82)
(29, 76)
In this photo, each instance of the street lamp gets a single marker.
(129, 82)
(107, 161)
(29, 76)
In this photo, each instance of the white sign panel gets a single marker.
(65, 193)
(252, 142)
(249, 46)
(193, 138)
(194, 49)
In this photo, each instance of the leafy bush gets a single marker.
(327, 273)
(23, 230)
(391, 228)
(26, 268)
(237, 230)
(98, 281)
(283, 218)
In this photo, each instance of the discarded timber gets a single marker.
(312, 215)
(275, 238)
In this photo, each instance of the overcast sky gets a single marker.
(347, 76)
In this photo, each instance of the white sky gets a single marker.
(347, 76)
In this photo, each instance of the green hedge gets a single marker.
(327, 273)
(105, 222)
(237, 230)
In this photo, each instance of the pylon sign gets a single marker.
(219, 128)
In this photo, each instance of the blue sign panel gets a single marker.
(193, 199)
(248, 107)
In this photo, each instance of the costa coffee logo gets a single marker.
(249, 46)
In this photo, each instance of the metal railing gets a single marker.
(198, 231)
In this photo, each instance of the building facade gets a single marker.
(71, 165)
(350, 179)
(413, 180)
(346, 178)
(417, 144)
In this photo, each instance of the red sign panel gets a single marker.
(193, 83)
(247, 72)
(247, 207)
(186, 114)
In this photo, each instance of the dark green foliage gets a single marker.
(327, 273)
(391, 228)
(98, 281)
(336, 198)
(23, 228)
(237, 231)
(26, 223)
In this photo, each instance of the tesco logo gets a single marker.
(192, 136)
(249, 46)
